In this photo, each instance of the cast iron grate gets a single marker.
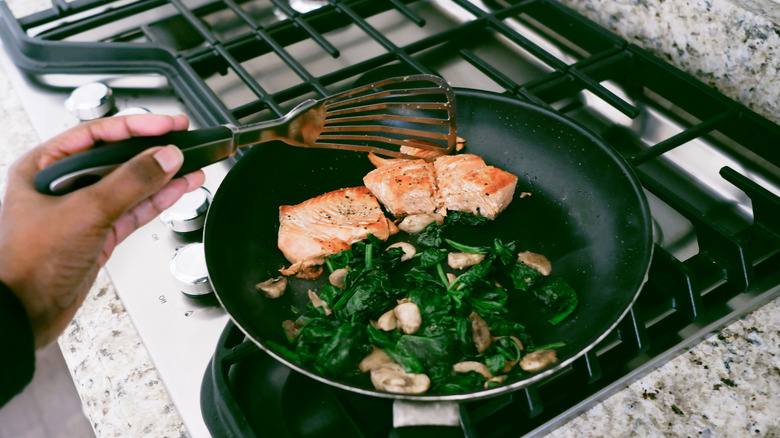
(195, 44)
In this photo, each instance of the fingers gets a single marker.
(149, 208)
(130, 183)
(85, 135)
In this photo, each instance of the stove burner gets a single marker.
(245, 392)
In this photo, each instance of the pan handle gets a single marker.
(426, 420)
(200, 147)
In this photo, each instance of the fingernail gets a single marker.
(170, 158)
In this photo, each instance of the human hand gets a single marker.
(52, 247)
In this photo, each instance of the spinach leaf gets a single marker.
(523, 276)
(500, 326)
(434, 303)
(473, 276)
(558, 296)
(464, 218)
(422, 277)
(387, 341)
(550, 346)
(346, 347)
(330, 294)
(430, 236)
(506, 252)
(431, 256)
(495, 363)
(501, 351)
(430, 350)
(458, 382)
(488, 301)
(370, 294)
(467, 248)
(342, 259)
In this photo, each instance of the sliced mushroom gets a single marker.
(536, 261)
(337, 277)
(517, 342)
(408, 249)
(414, 223)
(471, 365)
(317, 301)
(496, 379)
(508, 365)
(273, 287)
(407, 316)
(290, 329)
(393, 378)
(480, 333)
(538, 360)
(462, 260)
(386, 322)
(451, 277)
(374, 360)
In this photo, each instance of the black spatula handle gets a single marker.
(200, 147)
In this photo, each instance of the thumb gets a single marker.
(135, 180)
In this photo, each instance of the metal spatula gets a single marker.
(417, 111)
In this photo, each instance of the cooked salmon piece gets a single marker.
(327, 224)
(466, 183)
(404, 187)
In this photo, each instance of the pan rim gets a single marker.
(647, 251)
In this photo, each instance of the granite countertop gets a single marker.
(727, 385)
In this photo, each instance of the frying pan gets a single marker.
(587, 214)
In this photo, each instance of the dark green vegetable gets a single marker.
(376, 280)
(559, 296)
(523, 276)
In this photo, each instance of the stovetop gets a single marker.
(707, 163)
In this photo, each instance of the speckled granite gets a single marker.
(114, 375)
(120, 388)
(769, 9)
(723, 45)
(727, 386)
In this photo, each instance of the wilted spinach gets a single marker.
(376, 279)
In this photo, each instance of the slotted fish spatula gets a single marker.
(417, 111)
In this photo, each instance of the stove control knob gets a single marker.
(188, 267)
(91, 101)
(189, 212)
(132, 110)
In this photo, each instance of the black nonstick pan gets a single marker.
(587, 214)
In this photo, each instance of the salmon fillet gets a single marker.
(465, 183)
(404, 187)
(327, 224)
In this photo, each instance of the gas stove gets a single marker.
(706, 163)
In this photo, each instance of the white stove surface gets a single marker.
(179, 332)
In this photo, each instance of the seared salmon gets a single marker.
(465, 183)
(327, 224)
(404, 187)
